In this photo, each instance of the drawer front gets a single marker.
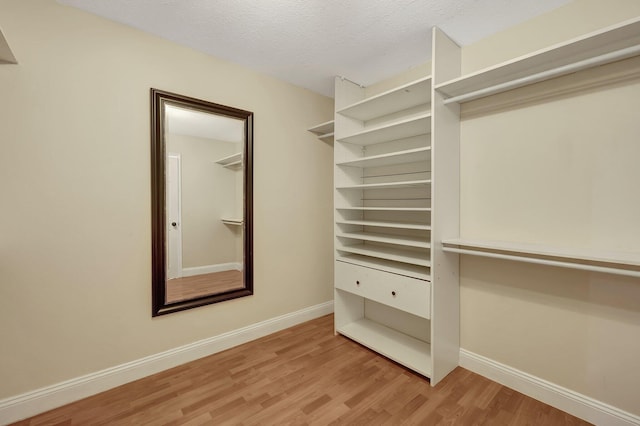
(400, 292)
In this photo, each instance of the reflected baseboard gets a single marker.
(40, 400)
(209, 269)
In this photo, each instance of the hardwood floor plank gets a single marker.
(304, 375)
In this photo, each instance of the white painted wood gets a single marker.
(445, 167)
(619, 263)
(231, 160)
(174, 215)
(385, 224)
(404, 269)
(589, 50)
(406, 184)
(6, 55)
(546, 75)
(389, 209)
(574, 403)
(527, 249)
(382, 180)
(397, 346)
(323, 128)
(31, 403)
(400, 292)
(390, 159)
(390, 253)
(399, 129)
(403, 240)
(397, 99)
(233, 221)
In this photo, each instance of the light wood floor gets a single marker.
(302, 376)
(203, 285)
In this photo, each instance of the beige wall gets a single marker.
(75, 258)
(560, 170)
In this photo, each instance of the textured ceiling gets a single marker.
(308, 42)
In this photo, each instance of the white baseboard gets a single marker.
(574, 403)
(31, 403)
(209, 269)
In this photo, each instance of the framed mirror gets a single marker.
(201, 202)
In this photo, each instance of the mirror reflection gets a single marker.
(201, 202)
(204, 203)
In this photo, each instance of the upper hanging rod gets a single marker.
(545, 75)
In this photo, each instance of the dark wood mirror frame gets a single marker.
(158, 201)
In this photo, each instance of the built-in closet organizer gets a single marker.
(397, 197)
(605, 46)
(385, 177)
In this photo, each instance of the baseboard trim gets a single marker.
(31, 403)
(574, 403)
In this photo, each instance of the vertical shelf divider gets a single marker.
(445, 140)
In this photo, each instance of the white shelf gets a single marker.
(400, 98)
(413, 271)
(621, 263)
(396, 346)
(386, 224)
(322, 129)
(579, 53)
(231, 160)
(400, 157)
(6, 55)
(389, 253)
(387, 209)
(405, 184)
(326, 136)
(232, 221)
(419, 125)
(402, 240)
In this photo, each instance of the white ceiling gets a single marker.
(308, 42)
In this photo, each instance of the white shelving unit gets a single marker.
(396, 198)
(324, 131)
(383, 224)
(233, 160)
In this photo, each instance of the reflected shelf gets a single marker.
(232, 221)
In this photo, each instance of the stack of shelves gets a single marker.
(382, 220)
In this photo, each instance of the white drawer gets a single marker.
(400, 292)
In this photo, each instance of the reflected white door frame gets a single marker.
(174, 217)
